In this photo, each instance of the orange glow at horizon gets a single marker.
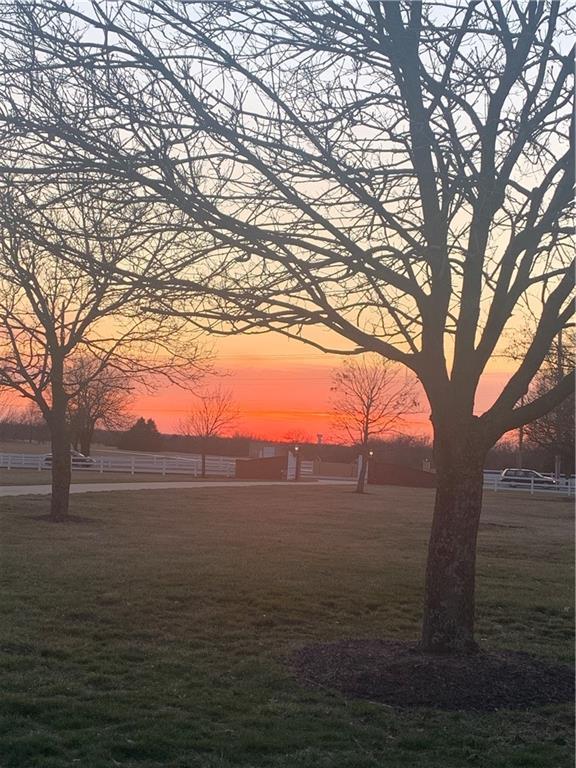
(282, 391)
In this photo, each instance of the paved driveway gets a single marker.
(44, 490)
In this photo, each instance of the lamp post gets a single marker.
(297, 454)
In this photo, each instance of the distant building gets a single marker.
(259, 450)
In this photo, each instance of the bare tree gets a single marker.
(64, 296)
(398, 173)
(6, 406)
(297, 437)
(7, 414)
(101, 400)
(555, 430)
(214, 414)
(371, 398)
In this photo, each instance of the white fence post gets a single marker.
(291, 466)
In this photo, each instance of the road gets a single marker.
(45, 490)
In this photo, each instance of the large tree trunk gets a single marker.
(60, 440)
(61, 466)
(86, 437)
(449, 606)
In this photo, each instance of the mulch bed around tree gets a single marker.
(69, 519)
(398, 674)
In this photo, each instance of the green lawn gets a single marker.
(156, 633)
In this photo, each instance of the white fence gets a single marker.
(565, 486)
(223, 466)
(220, 466)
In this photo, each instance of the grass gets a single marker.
(155, 635)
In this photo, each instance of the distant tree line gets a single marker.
(143, 435)
(404, 450)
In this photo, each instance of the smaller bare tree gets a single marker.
(555, 430)
(214, 414)
(297, 436)
(6, 406)
(75, 273)
(371, 396)
(7, 414)
(102, 399)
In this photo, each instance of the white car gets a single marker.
(523, 477)
(78, 460)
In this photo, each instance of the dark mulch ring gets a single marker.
(69, 519)
(400, 675)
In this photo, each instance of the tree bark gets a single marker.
(449, 605)
(203, 473)
(86, 437)
(61, 466)
(57, 419)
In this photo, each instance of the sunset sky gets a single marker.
(282, 389)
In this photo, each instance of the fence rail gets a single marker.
(223, 466)
(220, 466)
(565, 486)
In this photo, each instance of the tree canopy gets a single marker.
(399, 173)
